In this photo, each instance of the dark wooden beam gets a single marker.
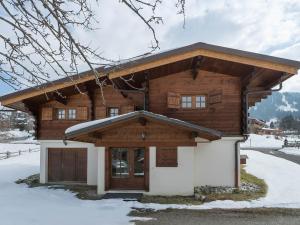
(119, 87)
(194, 134)
(246, 80)
(281, 77)
(142, 121)
(196, 63)
(146, 98)
(59, 98)
(91, 95)
(95, 135)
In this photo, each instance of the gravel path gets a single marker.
(260, 216)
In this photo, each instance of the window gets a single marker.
(72, 114)
(200, 101)
(166, 157)
(113, 112)
(186, 101)
(61, 114)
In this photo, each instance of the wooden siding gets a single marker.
(52, 128)
(222, 112)
(55, 129)
(225, 116)
(114, 98)
(130, 135)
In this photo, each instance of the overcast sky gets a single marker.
(264, 26)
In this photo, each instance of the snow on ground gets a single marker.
(262, 141)
(34, 206)
(16, 133)
(18, 146)
(280, 175)
(291, 151)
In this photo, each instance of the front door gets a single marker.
(127, 168)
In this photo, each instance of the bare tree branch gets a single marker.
(39, 43)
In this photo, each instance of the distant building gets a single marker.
(270, 131)
(255, 125)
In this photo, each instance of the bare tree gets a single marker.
(39, 43)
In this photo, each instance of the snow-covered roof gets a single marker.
(91, 126)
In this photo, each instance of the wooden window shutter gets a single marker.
(47, 113)
(215, 97)
(82, 113)
(173, 100)
(127, 109)
(100, 112)
(166, 157)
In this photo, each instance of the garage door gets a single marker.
(67, 164)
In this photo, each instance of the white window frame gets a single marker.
(186, 102)
(72, 113)
(200, 101)
(61, 114)
(113, 111)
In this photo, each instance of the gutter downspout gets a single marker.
(237, 143)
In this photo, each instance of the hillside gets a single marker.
(277, 106)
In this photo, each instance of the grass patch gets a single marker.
(238, 195)
(182, 200)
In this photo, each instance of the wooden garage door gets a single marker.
(67, 164)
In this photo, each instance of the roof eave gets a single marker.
(135, 115)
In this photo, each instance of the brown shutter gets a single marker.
(215, 97)
(127, 109)
(173, 100)
(82, 113)
(100, 112)
(47, 113)
(166, 157)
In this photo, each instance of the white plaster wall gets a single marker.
(172, 180)
(91, 157)
(214, 162)
(101, 170)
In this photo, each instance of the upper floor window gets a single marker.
(72, 114)
(61, 114)
(186, 101)
(113, 112)
(200, 101)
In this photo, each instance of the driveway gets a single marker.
(224, 217)
(293, 158)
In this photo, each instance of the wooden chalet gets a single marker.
(166, 122)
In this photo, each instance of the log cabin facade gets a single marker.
(163, 124)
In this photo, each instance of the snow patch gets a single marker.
(16, 133)
(287, 107)
(48, 207)
(262, 141)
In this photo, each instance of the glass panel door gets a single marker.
(120, 163)
(139, 162)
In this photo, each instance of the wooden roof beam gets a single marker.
(246, 80)
(207, 53)
(152, 61)
(196, 64)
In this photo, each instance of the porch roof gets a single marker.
(95, 125)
